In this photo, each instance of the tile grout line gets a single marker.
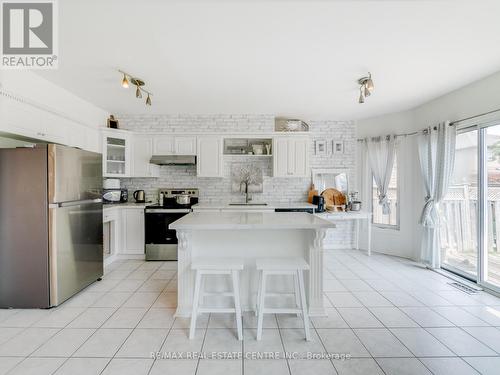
(202, 343)
(96, 329)
(138, 322)
(282, 343)
(168, 333)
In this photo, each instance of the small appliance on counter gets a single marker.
(139, 196)
(112, 193)
(319, 201)
(111, 183)
(354, 203)
(114, 196)
(161, 242)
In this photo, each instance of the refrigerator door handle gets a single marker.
(75, 203)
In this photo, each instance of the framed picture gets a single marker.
(338, 147)
(320, 147)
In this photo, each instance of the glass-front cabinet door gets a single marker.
(116, 155)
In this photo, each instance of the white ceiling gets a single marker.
(290, 58)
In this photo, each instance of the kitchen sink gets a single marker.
(248, 204)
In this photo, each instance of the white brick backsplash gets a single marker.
(219, 189)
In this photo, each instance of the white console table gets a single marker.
(357, 216)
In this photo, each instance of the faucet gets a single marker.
(247, 196)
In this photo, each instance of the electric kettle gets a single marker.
(139, 196)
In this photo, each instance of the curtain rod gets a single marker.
(451, 124)
(396, 135)
(472, 117)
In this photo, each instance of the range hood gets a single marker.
(173, 159)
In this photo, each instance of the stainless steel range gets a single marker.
(161, 242)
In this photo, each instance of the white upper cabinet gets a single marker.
(209, 156)
(20, 118)
(185, 145)
(116, 153)
(174, 145)
(142, 150)
(23, 119)
(163, 145)
(93, 140)
(291, 156)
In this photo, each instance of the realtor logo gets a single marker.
(28, 35)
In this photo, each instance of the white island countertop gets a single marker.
(254, 205)
(250, 220)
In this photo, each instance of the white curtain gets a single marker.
(380, 154)
(436, 150)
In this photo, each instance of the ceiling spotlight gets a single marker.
(361, 96)
(366, 87)
(125, 81)
(139, 86)
(369, 83)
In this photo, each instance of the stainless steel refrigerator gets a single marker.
(51, 243)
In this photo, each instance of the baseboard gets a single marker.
(131, 256)
(108, 260)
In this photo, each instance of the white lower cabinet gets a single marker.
(142, 150)
(132, 230)
(126, 231)
(209, 156)
(290, 156)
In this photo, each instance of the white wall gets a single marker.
(471, 100)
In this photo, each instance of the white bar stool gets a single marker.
(216, 266)
(282, 266)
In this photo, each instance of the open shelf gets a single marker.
(242, 146)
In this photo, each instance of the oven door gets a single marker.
(161, 242)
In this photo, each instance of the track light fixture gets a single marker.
(125, 81)
(366, 87)
(139, 86)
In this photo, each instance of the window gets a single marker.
(391, 220)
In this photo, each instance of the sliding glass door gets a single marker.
(459, 210)
(491, 262)
(470, 227)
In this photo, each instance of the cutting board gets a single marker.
(333, 198)
(312, 192)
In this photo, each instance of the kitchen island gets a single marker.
(250, 235)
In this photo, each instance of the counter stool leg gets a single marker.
(262, 299)
(237, 305)
(258, 293)
(305, 315)
(196, 299)
(203, 289)
(297, 292)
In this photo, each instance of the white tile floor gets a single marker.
(389, 315)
